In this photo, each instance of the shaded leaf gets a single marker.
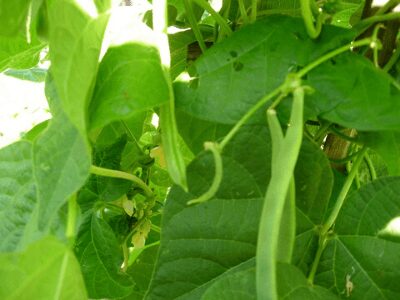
(206, 237)
(100, 257)
(126, 82)
(387, 144)
(352, 92)
(292, 284)
(365, 250)
(262, 53)
(141, 271)
(34, 74)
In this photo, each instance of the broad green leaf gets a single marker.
(37, 130)
(34, 74)
(352, 92)
(371, 263)
(16, 53)
(387, 144)
(262, 53)
(103, 5)
(205, 238)
(195, 131)
(100, 257)
(57, 165)
(104, 188)
(61, 166)
(199, 237)
(75, 41)
(13, 16)
(366, 247)
(370, 209)
(179, 48)
(19, 46)
(141, 271)
(130, 80)
(17, 194)
(314, 182)
(239, 284)
(292, 284)
(45, 270)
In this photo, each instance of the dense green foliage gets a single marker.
(273, 173)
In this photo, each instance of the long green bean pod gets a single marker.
(281, 175)
(169, 132)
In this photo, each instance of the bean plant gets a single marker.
(235, 149)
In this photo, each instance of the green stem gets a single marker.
(376, 46)
(155, 228)
(343, 193)
(122, 175)
(366, 23)
(248, 114)
(342, 135)
(321, 247)
(371, 167)
(313, 30)
(321, 133)
(71, 221)
(217, 17)
(393, 59)
(388, 6)
(213, 147)
(324, 232)
(195, 27)
(243, 12)
(253, 16)
(344, 160)
(316, 63)
(125, 252)
(268, 12)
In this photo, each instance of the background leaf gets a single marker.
(100, 257)
(34, 74)
(18, 195)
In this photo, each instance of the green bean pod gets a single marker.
(285, 151)
(169, 138)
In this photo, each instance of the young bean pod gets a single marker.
(285, 151)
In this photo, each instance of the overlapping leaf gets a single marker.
(352, 92)
(19, 47)
(365, 249)
(235, 73)
(100, 257)
(75, 43)
(46, 270)
(130, 80)
(18, 195)
(217, 237)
